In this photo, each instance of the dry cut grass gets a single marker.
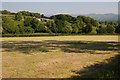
(55, 57)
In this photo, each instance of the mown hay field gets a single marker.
(57, 56)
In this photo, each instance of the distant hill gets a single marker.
(101, 17)
(104, 17)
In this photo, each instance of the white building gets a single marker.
(43, 19)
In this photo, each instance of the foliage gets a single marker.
(117, 30)
(5, 12)
(67, 27)
(101, 30)
(52, 26)
(88, 28)
(18, 16)
(75, 29)
(9, 26)
(29, 30)
(27, 13)
(29, 22)
(110, 29)
(40, 28)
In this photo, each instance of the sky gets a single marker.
(59, 0)
(50, 8)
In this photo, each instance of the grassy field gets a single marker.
(57, 57)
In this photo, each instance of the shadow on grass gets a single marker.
(66, 46)
(109, 70)
(101, 71)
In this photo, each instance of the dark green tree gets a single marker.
(27, 21)
(34, 23)
(28, 30)
(41, 28)
(117, 29)
(59, 25)
(5, 12)
(21, 28)
(18, 16)
(9, 26)
(52, 26)
(110, 29)
(67, 27)
(94, 22)
(101, 30)
(88, 28)
(75, 29)
(80, 25)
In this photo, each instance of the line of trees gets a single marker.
(27, 22)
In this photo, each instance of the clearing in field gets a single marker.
(58, 56)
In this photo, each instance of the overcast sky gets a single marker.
(63, 7)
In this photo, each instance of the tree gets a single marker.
(31, 22)
(1, 29)
(9, 26)
(5, 12)
(34, 23)
(75, 29)
(110, 29)
(94, 22)
(27, 21)
(59, 25)
(84, 19)
(63, 17)
(42, 15)
(40, 28)
(28, 29)
(102, 30)
(21, 29)
(117, 29)
(37, 15)
(52, 26)
(67, 27)
(25, 13)
(18, 16)
(80, 25)
(88, 28)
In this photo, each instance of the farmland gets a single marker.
(57, 56)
